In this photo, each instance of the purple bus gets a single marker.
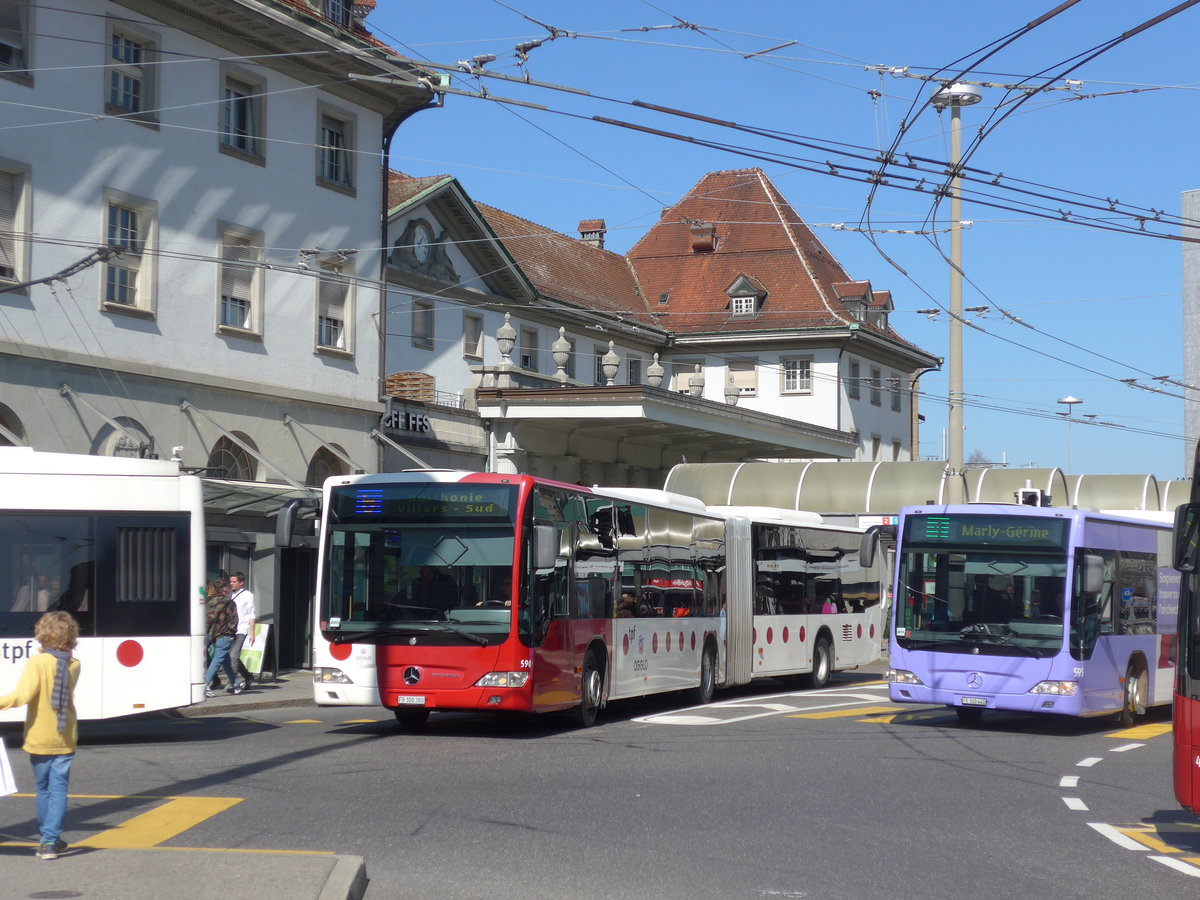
(1033, 609)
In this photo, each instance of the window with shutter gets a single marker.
(331, 311)
(239, 281)
(9, 185)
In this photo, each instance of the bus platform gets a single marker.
(119, 874)
(96, 873)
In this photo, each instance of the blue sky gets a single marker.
(1097, 305)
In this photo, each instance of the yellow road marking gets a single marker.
(1148, 838)
(843, 713)
(914, 716)
(303, 722)
(160, 824)
(1142, 732)
(361, 721)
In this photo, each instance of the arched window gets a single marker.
(230, 461)
(131, 440)
(12, 425)
(323, 464)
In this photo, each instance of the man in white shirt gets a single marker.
(244, 600)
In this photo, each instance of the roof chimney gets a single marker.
(704, 237)
(591, 232)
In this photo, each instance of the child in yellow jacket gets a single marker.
(47, 687)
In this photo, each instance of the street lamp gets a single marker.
(955, 97)
(1069, 402)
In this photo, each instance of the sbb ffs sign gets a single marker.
(399, 420)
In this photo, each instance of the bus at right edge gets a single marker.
(1187, 666)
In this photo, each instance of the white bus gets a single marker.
(119, 544)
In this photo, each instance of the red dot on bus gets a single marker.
(872, 629)
(681, 642)
(668, 642)
(654, 643)
(754, 635)
(860, 631)
(340, 651)
(693, 640)
(130, 653)
(802, 634)
(770, 635)
(785, 634)
(625, 645)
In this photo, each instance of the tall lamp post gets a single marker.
(1069, 401)
(954, 97)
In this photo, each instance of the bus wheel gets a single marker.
(589, 692)
(703, 692)
(822, 663)
(1135, 696)
(411, 718)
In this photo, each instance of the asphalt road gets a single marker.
(767, 793)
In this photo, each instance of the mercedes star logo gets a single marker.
(412, 675)
(974, 680)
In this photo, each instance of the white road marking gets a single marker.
(710, 714)
(1074, 803)
(1069, 781)
(1090, 761)
(1178, 865)
(1125, 747)
(1117, 837)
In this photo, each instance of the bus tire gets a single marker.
(1133, 703)
(703, 692)
(591, 690)
(411, 718)
(822, 663)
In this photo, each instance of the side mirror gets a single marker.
(545, 546)
(870, 543)
(1092, 573)
(1187, 538)
(285, 520)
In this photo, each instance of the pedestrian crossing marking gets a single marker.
(160, 824)
(1142, 732)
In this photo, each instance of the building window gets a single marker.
(131, 81)
(876, 442)
(797, 376)
(241, 280)
(633, 370)
(895, 451)
(241, 117)
(529, 350)
(876, 389)
(472, 336)
(13, 246)
(854, 380)
(14, 35)
(599, 375)
(324, 464)
(744, 306)
(744, 375)
(337, 11)
(129, 228)
(231, 461)
(333, 311)
(335, 164)
(570, 368)
(681, 373)
(422, 324)
(894, 387)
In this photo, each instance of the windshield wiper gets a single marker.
(992, 637)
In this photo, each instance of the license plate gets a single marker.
(409, 700)
(973, 701)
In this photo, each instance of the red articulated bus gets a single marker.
(1187, 661)
(509, 592)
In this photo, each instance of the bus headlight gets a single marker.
(324, 675)
(1058, 688)
(902, 676)
(503, 679)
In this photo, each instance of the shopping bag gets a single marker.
(252, 654)
(8, 784)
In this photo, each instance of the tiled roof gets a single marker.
(758, 235)
(566, 268)
(406, 188)
(356, 29)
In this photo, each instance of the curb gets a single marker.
(214, 709)
(347, 881)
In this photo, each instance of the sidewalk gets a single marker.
(198, 874)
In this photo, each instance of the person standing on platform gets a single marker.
(244, 600)
(222, 626)
(47, 687)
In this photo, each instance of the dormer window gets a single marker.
(746, 296)
(704, 237)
